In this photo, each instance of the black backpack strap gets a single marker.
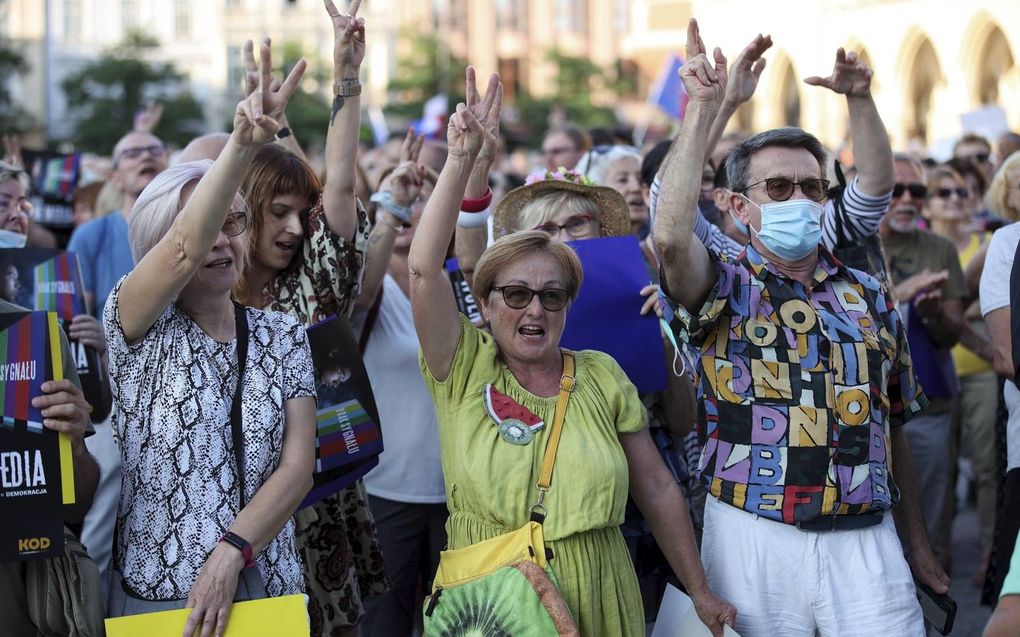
(241, 332)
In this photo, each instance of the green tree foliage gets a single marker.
(427, 70)
(308, 111)
(13, 119)
(104, 96)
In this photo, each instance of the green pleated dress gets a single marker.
(490, 483)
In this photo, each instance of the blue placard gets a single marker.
(607, 313)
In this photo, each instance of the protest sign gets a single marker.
(50, 281)
(348, 438)
(36, 471)
(606, 316)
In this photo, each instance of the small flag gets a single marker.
(433, 119)
(669, 93)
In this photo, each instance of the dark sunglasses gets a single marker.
(576, 226)
(235, 224)
(781, 188)
(917, 191)
(978, 158)
(518, 297)
(946, 193)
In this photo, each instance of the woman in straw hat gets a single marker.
(524, 285)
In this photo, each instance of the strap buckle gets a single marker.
(567, 383)
(538, 510)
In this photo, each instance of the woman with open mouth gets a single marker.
(307, 247)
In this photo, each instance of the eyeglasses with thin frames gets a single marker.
(235, 223)
(518, 297)
(155, 150)
(576, 226)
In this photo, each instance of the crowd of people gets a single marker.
(838, 341)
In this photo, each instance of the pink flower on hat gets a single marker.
(561, 174)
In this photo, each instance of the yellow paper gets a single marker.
(285, 616)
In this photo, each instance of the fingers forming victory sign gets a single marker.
(348, 37)
(465, 132)
(257, 117)
(490, 122)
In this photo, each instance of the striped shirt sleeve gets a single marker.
(864, 214)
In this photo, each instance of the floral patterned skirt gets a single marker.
(338, 543)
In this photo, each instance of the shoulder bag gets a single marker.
(505, 585)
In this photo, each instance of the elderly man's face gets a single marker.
(795, 164)
(905, 209)
(137, 159)
(559, 150)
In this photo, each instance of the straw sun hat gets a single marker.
(614, 215)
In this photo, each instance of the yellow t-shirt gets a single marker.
(966, 361)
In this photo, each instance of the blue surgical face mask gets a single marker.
(790, 229)
(9, 239)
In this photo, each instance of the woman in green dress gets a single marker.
(524, 284)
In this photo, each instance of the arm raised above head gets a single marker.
(689, 275)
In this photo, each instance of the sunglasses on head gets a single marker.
(781, 188)
(518, 297)
(946, 193)
(576, 226)
(235, 223)
(917, 191)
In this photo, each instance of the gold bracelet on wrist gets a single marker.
(347, 88)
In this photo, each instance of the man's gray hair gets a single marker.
(8, 171)
(738, 159)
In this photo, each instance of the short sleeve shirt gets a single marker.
(104, 255)
(173, 391)
(799, 388)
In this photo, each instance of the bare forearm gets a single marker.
(340, 155)
(872, 151)
(290, 141)
(274, 503)
(435, 230)
(944, 329)
(666, 511)
(978, 343)
(722, 118)
(86, 480)
(377, 260)
(907, 513)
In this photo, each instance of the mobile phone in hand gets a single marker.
(939, 610)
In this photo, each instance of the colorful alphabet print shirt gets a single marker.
(800, 388)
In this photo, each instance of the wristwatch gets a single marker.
(241, 544)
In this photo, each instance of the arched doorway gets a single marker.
(995, 61)
(923, 76)
(789, 95)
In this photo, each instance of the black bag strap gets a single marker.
(838, 208)
(241, 332)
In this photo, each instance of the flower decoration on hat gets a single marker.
(561, 174)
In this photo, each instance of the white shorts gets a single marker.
(788, 582)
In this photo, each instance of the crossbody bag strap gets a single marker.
(567, 382)
(241, 332)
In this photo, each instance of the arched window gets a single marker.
(995, 61)
(924, 76)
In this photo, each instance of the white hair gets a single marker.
(160, 203)
(596, 162)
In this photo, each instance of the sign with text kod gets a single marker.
(36, 473)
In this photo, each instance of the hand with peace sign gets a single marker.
(471, 126)
(257, 118)
(348, 40)
(490, 120)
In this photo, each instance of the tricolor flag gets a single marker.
(669, 93)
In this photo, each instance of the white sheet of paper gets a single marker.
(677, 618)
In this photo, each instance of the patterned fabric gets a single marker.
(173, 390)
(799, 388)
(336, 537)
(864, 215)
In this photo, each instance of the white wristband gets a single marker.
(474, 219)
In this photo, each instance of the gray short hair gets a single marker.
(595, 163)
(8, 171)
(738, 159)
(160, 203)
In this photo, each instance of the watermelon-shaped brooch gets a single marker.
(517, 425)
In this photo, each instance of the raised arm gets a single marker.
(338, 197)
(740, 86)
(688, 271)
(470, 242)
(432, 300)
(872, 150)
(166, 269)
(404, 184)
